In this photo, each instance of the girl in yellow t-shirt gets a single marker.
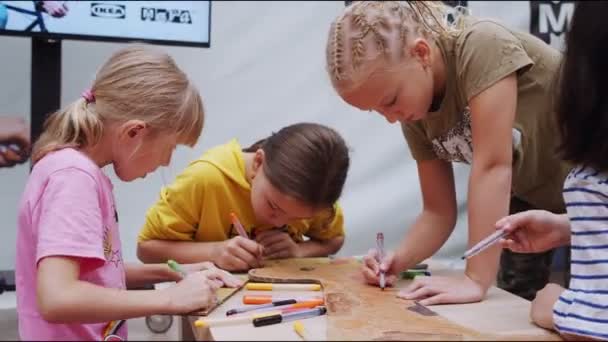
(283, 189)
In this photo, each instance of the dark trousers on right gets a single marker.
(525, 274)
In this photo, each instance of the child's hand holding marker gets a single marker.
(534, 231)
(181, 271)
(196, 287)
(239, 253)
(277, 244)
(372, 267)
(194, 292)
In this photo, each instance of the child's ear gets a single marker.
(421, 51)
(134, 128)
(258, 160)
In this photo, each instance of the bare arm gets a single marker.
(186, 252)
(236, 254)
(139, 275)
(63, 298)
(493, 114)
(436, 222)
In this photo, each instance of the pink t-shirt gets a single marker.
(67, 209)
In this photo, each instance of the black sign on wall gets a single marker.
(550, 20)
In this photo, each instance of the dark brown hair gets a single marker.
(306, 161)
(582, 99)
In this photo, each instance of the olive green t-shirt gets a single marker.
(481, 55)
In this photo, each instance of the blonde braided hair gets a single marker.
(368, 30)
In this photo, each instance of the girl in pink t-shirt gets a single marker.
(71, 278)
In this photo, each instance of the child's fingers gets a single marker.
(12, 156)
(282, 254)
(259, 236)
(421, 292)
(415, 285)
(276, 247)
(230, 280)
(371, 261)
(242, 259)
(250, 246)
(440, 298)
(391, 280)
(217, 277)
(516, 221)
(386, 263)
(370, 276)
(270, 239)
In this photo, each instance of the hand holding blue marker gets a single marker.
(485, 243)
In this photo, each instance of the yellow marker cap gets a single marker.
(298, 327)
(315, 287)
(259, 287)
(199, 323)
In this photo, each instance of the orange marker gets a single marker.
(239, 227)
(311, 304)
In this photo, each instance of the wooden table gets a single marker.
(501, 313)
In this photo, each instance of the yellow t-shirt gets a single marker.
(197, 206)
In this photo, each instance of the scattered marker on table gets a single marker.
(221, 322)
(282, 287)
(267, 299)
(261, 306)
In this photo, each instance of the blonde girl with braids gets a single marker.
(471, 91)
(70, 276)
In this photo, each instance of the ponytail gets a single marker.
(75, 126)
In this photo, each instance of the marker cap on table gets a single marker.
(284, 287)
(300, 330)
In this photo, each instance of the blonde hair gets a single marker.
(369, 30)
(137, 82)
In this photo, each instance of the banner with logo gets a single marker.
(172, 22)
(547, 20)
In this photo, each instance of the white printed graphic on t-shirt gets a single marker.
(456, 145)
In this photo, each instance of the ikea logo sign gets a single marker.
(114, 11)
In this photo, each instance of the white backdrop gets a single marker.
(264, 70)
